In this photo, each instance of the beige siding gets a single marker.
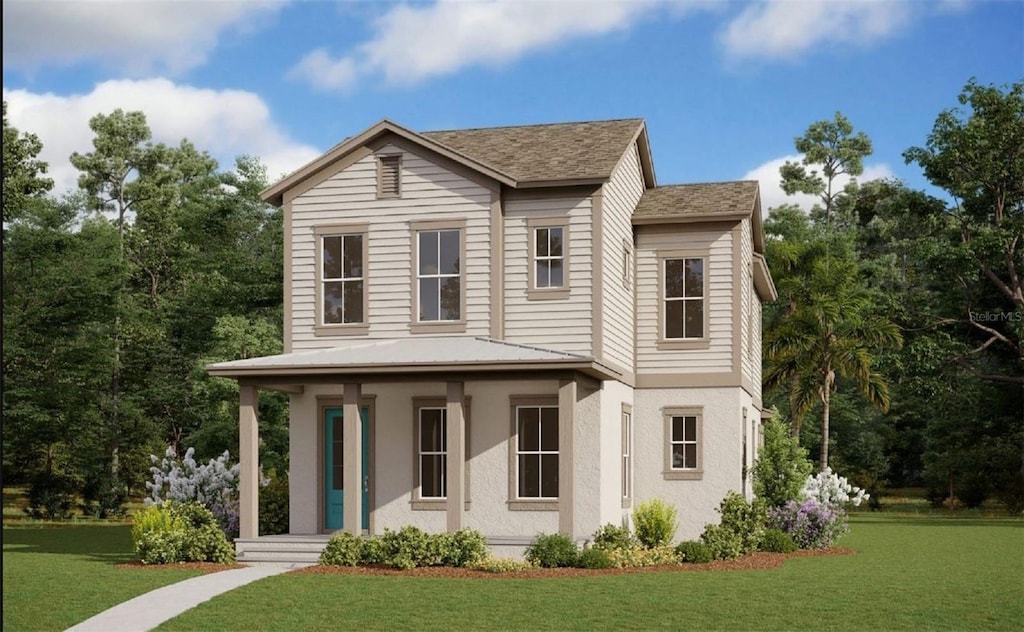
(564, 324)
(717, 358)
(756, 348)
(620, 197)
(747, 299)
(429, 192)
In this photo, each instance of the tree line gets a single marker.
(895, 351)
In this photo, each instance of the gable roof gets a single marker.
(586, 150)
(521, 156)
(706, 200)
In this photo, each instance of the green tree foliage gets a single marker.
(24, 174)
(781, 467)
(832, 146)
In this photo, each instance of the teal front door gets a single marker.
(334, 469)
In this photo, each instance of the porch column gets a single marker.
(566, 461)
(248, 463)
(455, 470)
(353, 455)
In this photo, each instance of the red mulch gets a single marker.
(755, 561)
(202, 567)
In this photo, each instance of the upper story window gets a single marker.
(627, 264)
(684, 296)
(549, 257)
(439, 284)
(341, 279)
(389, 176)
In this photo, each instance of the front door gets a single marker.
(334, 468)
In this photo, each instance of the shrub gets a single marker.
(740, 529)
(777, 541)
(637, 557)
(655, 522)
(104, 495)
(694, 552)
(782, 466)
(552, 551)
(214, 485)
(373, 551)
(462, 548)
(501, 565)
(343, 549)
(594, 558)
(611, 537)
(811, 524)
(180, 532)
(828, 488)
(407, 548)
(50, 497)
(274, 506)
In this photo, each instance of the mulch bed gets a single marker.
(749, 562)
(202, 567)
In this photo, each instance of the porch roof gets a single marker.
(419, 355)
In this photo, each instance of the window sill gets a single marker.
(533, 505)
(692, 343)
(356, 329)
(545, 294)
(432, 504)
(680, 475)
(458, 327)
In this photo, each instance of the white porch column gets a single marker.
(353, 455)
(248, 460)
(455, 471)
(566, 461)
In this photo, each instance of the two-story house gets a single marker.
(512, 329)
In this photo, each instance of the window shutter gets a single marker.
(389, 176)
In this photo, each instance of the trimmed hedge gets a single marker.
(180, 532)
(406, 548)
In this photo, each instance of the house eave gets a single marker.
(763, 282)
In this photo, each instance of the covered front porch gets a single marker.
(385, 383)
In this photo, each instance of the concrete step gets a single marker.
(311, 557)
(280, 546)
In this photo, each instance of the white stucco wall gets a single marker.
(722, 449)
(613, 396)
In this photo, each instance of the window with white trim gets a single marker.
(537, 452)
(627, 454)
(549, 257)
(439, 275)
(627, 264)
(683, 295)
(341, 278)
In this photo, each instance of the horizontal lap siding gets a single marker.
(718, 357)
(746, 301)
(621, 195)
(429, 192)
(562, 324)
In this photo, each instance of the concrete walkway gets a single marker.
(147, 611)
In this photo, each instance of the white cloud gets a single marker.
(135, 36)
(772, 195)
(225, 123)
(785, 29)
(416, 42)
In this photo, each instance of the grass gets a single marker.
(57, 576)
(910, 572)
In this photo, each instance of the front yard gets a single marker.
(910, 572)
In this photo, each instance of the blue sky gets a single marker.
(724, 86)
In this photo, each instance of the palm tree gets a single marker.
(826, 329)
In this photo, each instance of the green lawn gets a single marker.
(909, 573)
(55, 577)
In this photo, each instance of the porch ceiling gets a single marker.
(420, 356)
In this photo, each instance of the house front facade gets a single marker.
(514, 330)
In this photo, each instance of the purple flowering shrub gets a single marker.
(214, 485)
(811, 524)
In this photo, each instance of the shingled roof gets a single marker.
(705, 200)
(557, 151)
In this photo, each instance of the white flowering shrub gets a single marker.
(214, 485)
(828, 488)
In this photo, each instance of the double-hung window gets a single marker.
(439, 282)
(433, 452)
(536, 450)
(548, 257)
(683, 443)
(627, 456)
(341, 279)
(683, 294)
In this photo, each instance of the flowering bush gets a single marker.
(819, 518)
(214, 485)
(811, 524)
(828, 488)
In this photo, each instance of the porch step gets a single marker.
(278, 555)
(281, 549)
